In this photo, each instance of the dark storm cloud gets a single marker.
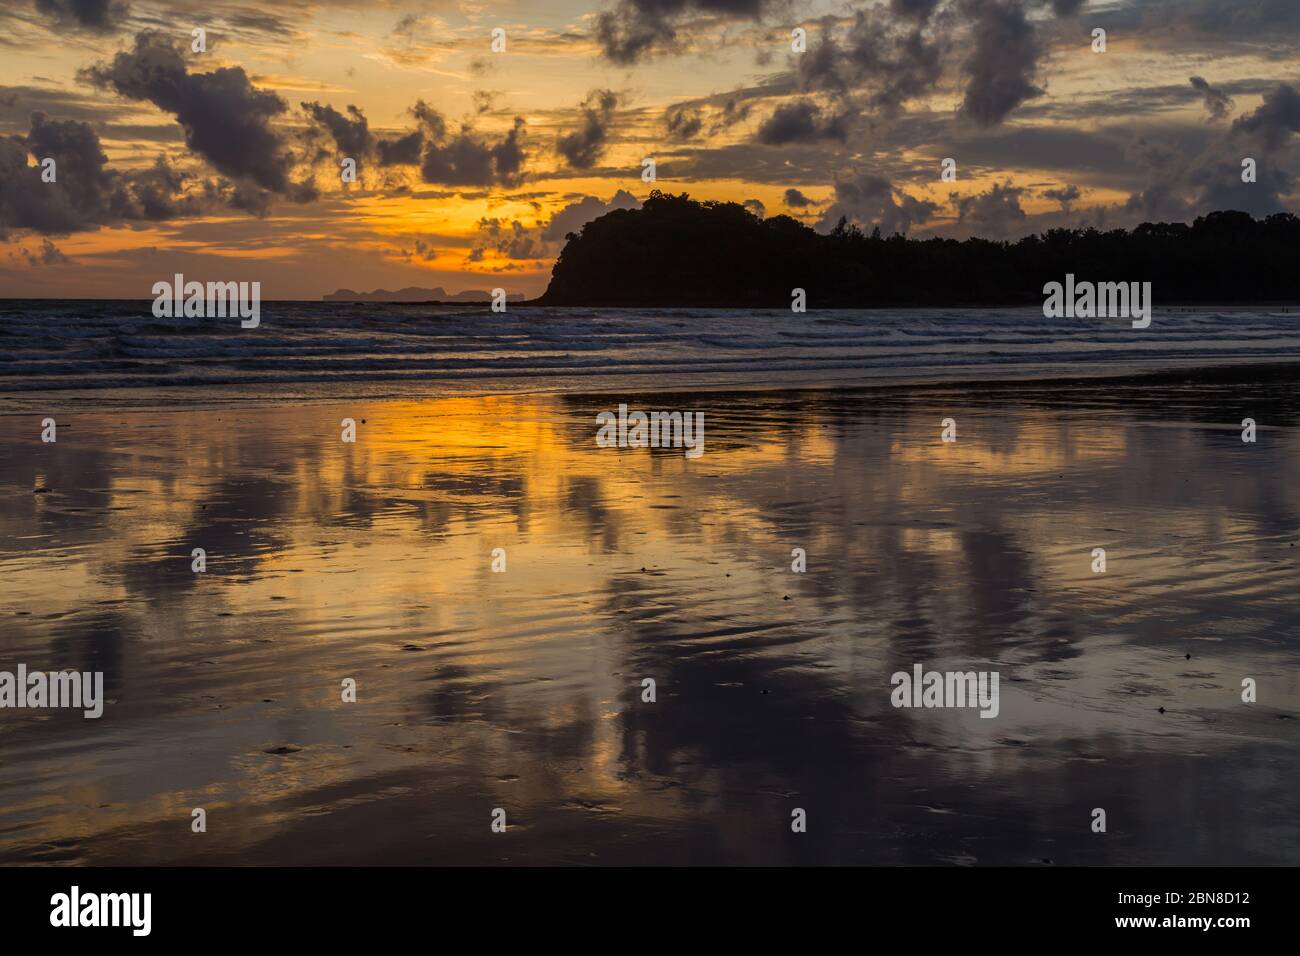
(466, 160)
(1215, 184)
(86, 194)
(351, 133)
(463, 157)
(633, 29)
(710, 115)
(1262, 135)
(48, 256)
(403, 151)
(683, 123)
(466, 157)
(995, 213)
(95, 16)
(919, 10)
(1067, 196)
(886, 57)
(802, 121)
(880, 65)
(226, 119)
(510, 239)
(1158, 203)
(1156, 156)
(872, 201)
(1182, 183)
(1276, 119)
(581, 148)
(1161, 199)
(425, 251)
(1003, 62)
(83, 187)
(244, 196)
(1218, 103)
(794, 199)
(733, 110)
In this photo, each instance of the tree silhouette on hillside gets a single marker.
(676, 251)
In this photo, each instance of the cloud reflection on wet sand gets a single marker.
(522, 690)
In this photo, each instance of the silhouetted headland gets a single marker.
(676, 251)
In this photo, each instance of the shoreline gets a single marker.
(198, 397)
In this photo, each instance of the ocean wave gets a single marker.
(117, 345)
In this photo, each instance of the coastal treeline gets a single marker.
(676, 251)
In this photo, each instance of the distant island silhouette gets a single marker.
(414, 294)
(678, 252)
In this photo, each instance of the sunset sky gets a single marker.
(474, 164)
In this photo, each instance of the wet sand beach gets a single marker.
(522, 689)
